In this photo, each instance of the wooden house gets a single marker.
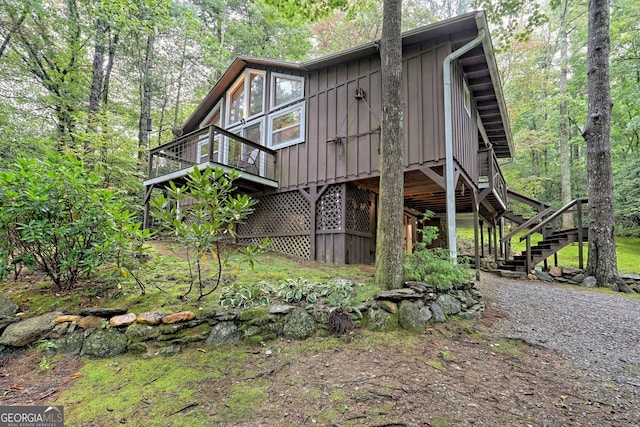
(306, 136)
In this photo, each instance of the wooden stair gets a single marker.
(544, 249)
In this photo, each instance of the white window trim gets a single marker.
(466, 94)
(272, 93)
(299, 106)
(243, 80)
(240, 128)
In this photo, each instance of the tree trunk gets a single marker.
(14, 29)
(97, 75)
(565, 148)
(113, 44)
(389, 243)
(145, 100)
(602, 261)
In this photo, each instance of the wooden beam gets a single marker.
(434, 176)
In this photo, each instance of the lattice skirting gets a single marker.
(299, 246)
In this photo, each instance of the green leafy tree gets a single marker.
(54, 216)
(203, 214)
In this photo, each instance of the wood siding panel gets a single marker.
(465, 131)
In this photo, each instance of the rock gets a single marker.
(7, 307)
(70, 343)
(90, 322)
(188, 335)
(169, 350)
(138, 348)
(438, 314)
(541, 275)
(281, 309)
(103, 312)
(590, 281)
(449, 304)
(532, 276)
(223, 332)
(182, 316)
(420, 287)
(67, 318)
(150, 318)
(59, 330)
(19, 334)
(379, 320)
(106, 342)
(388, 306)
(578, 278)
(299, 325)
(412, 317)
(123, 320)
(571, 271)
(398, 294)
(512, 274)
(6, 320)
(555, 271)
(175, 327)
(141, 332)
(473, 312)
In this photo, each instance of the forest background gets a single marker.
(106, 80)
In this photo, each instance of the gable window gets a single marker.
(213, 118)
(286, 127)
(467, 98)
(245, 99)
(285, 89)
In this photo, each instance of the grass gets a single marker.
(627, 250)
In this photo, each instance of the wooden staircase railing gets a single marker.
(553, 241)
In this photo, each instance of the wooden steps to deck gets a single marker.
(544, 249)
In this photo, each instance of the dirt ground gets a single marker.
(458, 374)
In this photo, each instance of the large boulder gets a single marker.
(106, 342)
(380, 320)
(299, 324)
(412, 316)
(7, 307)
(29, 330)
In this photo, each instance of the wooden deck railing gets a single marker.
(212, 145)
(490, 174)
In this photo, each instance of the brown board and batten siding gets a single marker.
(341, 142)
(342, 138)
(465, 129)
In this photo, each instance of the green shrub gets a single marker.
(246, 295)
(54, 216)
(202, 214)
(433, 265)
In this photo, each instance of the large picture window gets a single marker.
(245, 99)
(285, 89)
(286, 127)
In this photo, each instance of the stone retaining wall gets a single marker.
(107, 332)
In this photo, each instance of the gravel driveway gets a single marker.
(599, 333)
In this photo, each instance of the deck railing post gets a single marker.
(528, 256)
(580, 236)
(212, 134)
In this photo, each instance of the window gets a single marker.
(234, 150)
(467, 98)
(285, 89)
(287, 126)
(245, 99)
(203, 149)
